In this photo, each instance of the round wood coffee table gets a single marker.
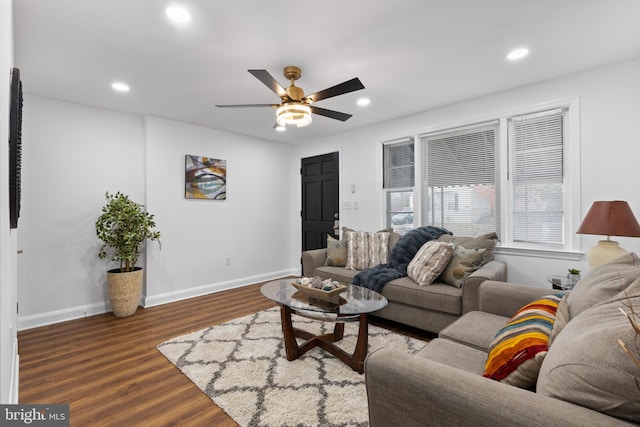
(354, 306)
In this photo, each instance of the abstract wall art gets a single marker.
(205, 178)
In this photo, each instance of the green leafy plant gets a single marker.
(124, 226)
(574, 271)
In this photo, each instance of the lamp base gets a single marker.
(603, 252)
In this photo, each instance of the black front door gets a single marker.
(320, 191)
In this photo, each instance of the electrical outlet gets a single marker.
(228, 260)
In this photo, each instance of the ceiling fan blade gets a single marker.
(246, 105)
(330, 113)
(339, 89)
(269, 81)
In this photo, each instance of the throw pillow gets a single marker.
(366, 249)
(336, 252)
(462, 264)
(486, 241)
(429, 262)
(562, 318)
(587, 366)
(518, 349)
(603, 282)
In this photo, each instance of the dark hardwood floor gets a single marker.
(111, 374)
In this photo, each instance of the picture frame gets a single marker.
(205, 178)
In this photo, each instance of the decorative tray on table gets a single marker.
(315, 287)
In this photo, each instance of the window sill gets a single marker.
(540, 253)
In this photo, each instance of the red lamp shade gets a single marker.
(608, 219)
(613, 218)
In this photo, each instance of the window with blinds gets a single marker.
(513, 175)
(461, 191)
(399, 164)
(537, 177)
(399, 180)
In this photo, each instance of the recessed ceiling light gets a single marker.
(517, 54)
(280, 128)
(178, 14)
(363, 102)
(120, 87)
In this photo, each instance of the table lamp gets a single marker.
(611, 218)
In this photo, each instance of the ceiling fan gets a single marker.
(295, 108)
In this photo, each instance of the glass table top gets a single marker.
(355, 300)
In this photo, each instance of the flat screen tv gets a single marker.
(15, 147)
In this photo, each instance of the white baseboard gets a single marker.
(51, 317)
(183, 294)
(15, 376)
(43, 319)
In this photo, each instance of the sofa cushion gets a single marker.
(587, 366)
(454, 354)
(476, 329)
(340, 274)
(486, 241)
(366, 249)
(463, 262)
(562, 318)
(518, 349)
(436, 297)
(430, 260)
(336, 252)
(603, 282)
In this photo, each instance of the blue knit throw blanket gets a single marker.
(401, 255)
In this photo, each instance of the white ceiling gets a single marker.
(411, 55)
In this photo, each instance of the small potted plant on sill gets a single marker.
(573, 277)
(124, 226)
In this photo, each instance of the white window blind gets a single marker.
(462, 185)
(537, 175)
(399, 164)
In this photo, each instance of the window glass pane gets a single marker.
(400, 211)
(399, 165)
(462, 181)
(538, 175)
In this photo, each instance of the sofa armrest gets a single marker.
(493, 270)
(408, 390)
(505, 299)
(311, 260)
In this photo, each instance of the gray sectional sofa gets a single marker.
(586, 378)
(431, 307)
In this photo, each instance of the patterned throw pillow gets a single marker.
(366, 249)
(463, 263)
(518, 349)
(486, 241)
(336, 252)
(429, 262)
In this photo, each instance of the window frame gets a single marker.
(387, 214)
(571, 249)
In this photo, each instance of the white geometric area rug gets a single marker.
(242, 366)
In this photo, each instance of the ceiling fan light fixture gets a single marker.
(294, 113)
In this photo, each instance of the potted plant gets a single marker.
(123, 227)
(573, 277)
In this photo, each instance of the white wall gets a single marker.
(252, 226)
(8, 237)
(73, 154)
(610, 149)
